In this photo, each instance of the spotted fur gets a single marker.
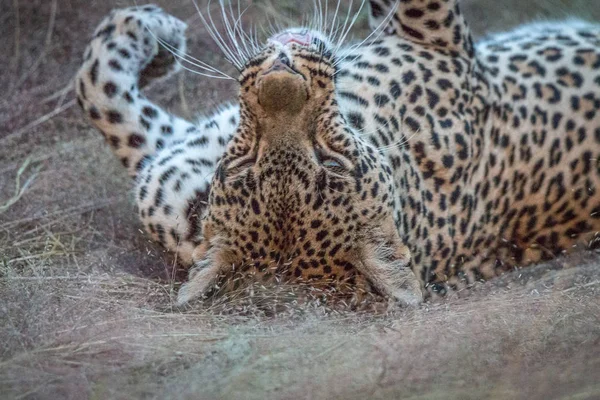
(417, 163)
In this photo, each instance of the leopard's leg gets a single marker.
(172, 159)
(435, 23)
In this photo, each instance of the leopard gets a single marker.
(414, 163)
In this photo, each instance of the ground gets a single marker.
(86, 299)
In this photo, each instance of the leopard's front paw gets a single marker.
(408, 297)
(202, 280)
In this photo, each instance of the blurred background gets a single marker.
(85, 297)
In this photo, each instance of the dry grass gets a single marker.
(86, 306)
(112, 336)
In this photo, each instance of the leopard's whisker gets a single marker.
(315, 14)
(378, 31)
(204, 74)
(338, 28)
(246, 47)
(268, 29)
(184, 57)
(333, 22)
(363, 133)
(315, 21)
(248, 37)
(307, 22)
(323, 28)
(229, 19)
(400, 143)
(251, 39)
(319, 6)
(336, 39)
(253, 35)
(352, 22)
(217, 37)
(324, 15)
(231, 34)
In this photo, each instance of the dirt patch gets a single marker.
(86, 299)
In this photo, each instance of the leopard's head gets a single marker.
(298, 194)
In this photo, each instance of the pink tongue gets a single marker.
(287, 37)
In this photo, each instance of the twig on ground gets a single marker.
(69, 211)
(43, 118)
(59, 93)
(20, 190)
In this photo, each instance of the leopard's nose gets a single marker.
(279, 65)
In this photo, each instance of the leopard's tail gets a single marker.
(123, 54)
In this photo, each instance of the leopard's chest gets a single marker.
(428, 113)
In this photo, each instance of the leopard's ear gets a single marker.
(438, 23)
